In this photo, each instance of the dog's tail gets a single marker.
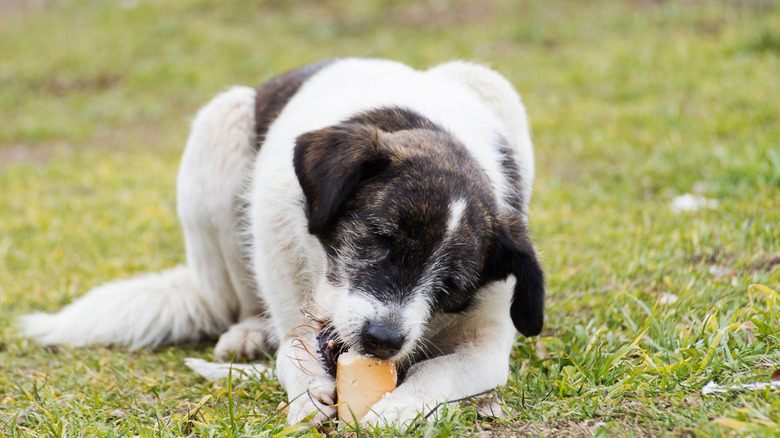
(148, 310)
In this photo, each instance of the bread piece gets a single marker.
(362, 381)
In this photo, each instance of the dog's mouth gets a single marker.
(330, 347)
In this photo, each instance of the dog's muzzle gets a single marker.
(381, 339)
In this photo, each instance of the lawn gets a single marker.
(632, 104)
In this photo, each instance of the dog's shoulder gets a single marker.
(272, 96)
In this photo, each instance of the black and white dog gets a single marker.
(387, 202)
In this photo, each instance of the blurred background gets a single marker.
(629, 101)
(632, 104)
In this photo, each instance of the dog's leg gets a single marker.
(211, 181)
(481, 341)
(284, 269)
(311, 390)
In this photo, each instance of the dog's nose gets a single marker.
(382, 340)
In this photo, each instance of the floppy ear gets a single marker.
(513, 253)
(330, 163)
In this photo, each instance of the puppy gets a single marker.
(386, 203)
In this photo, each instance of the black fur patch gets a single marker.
(330, 163)
(513, 253)
(378, 189)
(273, 96)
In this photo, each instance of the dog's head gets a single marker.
(411, 227)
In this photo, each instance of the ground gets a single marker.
(632, 104)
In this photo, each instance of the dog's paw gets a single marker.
(317, 400)
(394, 409)
(245, 340)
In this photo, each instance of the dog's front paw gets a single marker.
(397, 409)
(318, 400)
(245, 340)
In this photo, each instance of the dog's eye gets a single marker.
(457, 284)
(379, 249)
(378, 255)
(449, 285)
(453, 296)
(383, 240)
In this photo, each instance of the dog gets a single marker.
(385, 203)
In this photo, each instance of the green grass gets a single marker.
(631, 103)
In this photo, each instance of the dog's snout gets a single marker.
(382, 340)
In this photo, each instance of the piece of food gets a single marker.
(362, 381)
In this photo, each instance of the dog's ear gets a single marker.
(330, 163)
(513, 253)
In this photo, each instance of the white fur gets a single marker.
(350, 311)
(216, 288)
(166, 308)
(456, 210)
(290, 263)
(415, 314)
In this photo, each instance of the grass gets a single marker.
(631, 103)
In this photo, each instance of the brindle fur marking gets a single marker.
(513, 196)
(381, 161)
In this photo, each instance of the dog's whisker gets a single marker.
(308, 326)
(304, 346)
(298, 363)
